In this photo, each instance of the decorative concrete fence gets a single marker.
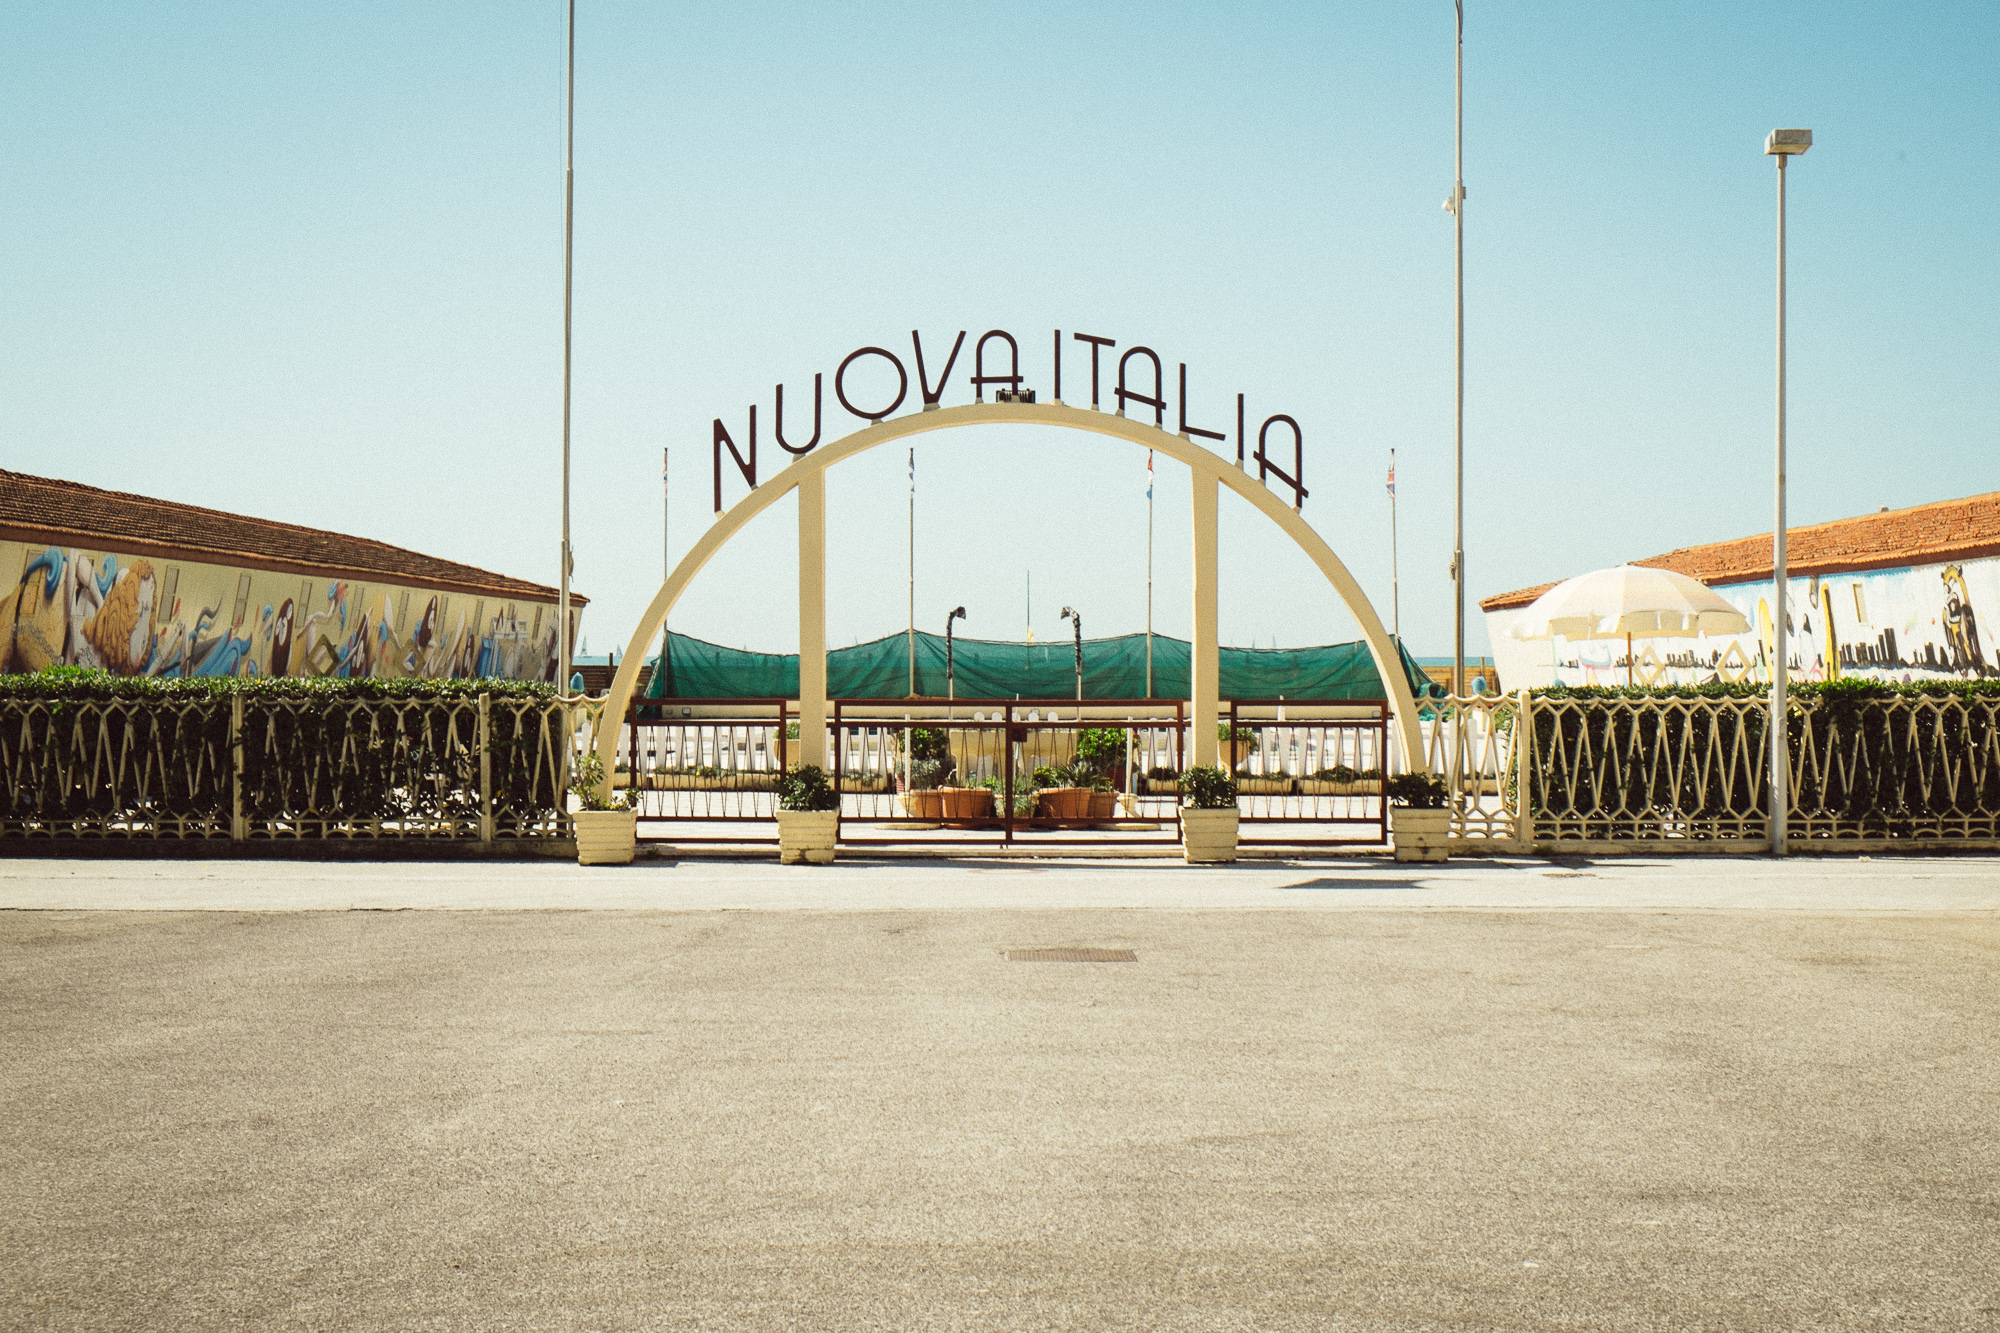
(1871, 769)
(244, 766)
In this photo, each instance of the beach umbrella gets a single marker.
(1628, 602)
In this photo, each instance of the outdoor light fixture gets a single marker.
(1071, 615)
(1783, 145)
(950, 684)
(1787, 143)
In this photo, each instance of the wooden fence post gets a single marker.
(485, 767)
(1524, 752)
(239, 823)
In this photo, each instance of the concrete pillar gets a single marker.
(1205, 664)
(812, 618)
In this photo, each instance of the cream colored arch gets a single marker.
(807, 475)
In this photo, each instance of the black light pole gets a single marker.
(950, 684)
(1070, 615)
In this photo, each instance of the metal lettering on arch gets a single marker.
(1015, 390)
(1015, 404)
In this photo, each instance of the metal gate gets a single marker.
(977, 773)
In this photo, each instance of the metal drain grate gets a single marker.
(1071, 956)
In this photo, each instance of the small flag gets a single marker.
(1149, 474)
(913, 469)
(663, 466)
(1392, 476)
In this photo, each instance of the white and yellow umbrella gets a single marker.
(1628, 602)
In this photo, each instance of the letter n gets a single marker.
(748, 467)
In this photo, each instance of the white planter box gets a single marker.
(1208, 835)
(1419, 835)
(807, 835)
(606, 837)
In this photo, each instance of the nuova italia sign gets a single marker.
(1138, 385)
(1141, 383)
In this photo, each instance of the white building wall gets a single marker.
(1925, 622)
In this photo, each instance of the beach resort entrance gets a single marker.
(1195, 731)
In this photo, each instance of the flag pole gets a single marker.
(1149, 573)
(666, 548)
(913, 571)
(667, 545)
(1395, 584)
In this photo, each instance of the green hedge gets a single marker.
(341, 757)
(1849, 689)
(84, 683)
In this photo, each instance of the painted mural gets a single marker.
(140, 617)
(1928, 622)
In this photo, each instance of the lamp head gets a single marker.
(957, 613)
(1067, 614)
(1787, 143)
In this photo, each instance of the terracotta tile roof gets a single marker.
(1967, 529)
(67, 513)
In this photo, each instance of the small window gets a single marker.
(1860, 603)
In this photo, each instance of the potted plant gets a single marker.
(1262, 784)
(607, 831)
(973, 802)
(1340, 780)
(1209, 815)
(924, 799)
(1419, 817)
(1059, 796)
(808, 815)
(1162, 781)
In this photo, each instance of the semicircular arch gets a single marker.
(1388, 662)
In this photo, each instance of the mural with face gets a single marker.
(281, 640)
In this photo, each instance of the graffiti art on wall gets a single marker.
(138, 617)
(1928, 622)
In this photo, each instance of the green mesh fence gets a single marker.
(1112, 669)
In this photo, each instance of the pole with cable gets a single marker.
(1071, 615)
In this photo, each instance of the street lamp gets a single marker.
(1456, 207)
(1781, 144)
(950, 685)
(1070, 615)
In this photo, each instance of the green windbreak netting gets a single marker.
(1112, 669)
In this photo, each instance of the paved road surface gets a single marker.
(1588, 1109)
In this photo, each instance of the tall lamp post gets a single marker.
(1781, 144)
(568, 650)
(1456, 207)
(1070, 615)
(950, 684)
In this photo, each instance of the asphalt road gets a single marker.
(1532, 1118)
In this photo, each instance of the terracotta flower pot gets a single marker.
(1063, 803)
(1103, 805)
(967, 802)
(927, 804)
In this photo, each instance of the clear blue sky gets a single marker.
(304, 261)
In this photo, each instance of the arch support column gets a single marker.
(1205, 660)
(812, 618)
